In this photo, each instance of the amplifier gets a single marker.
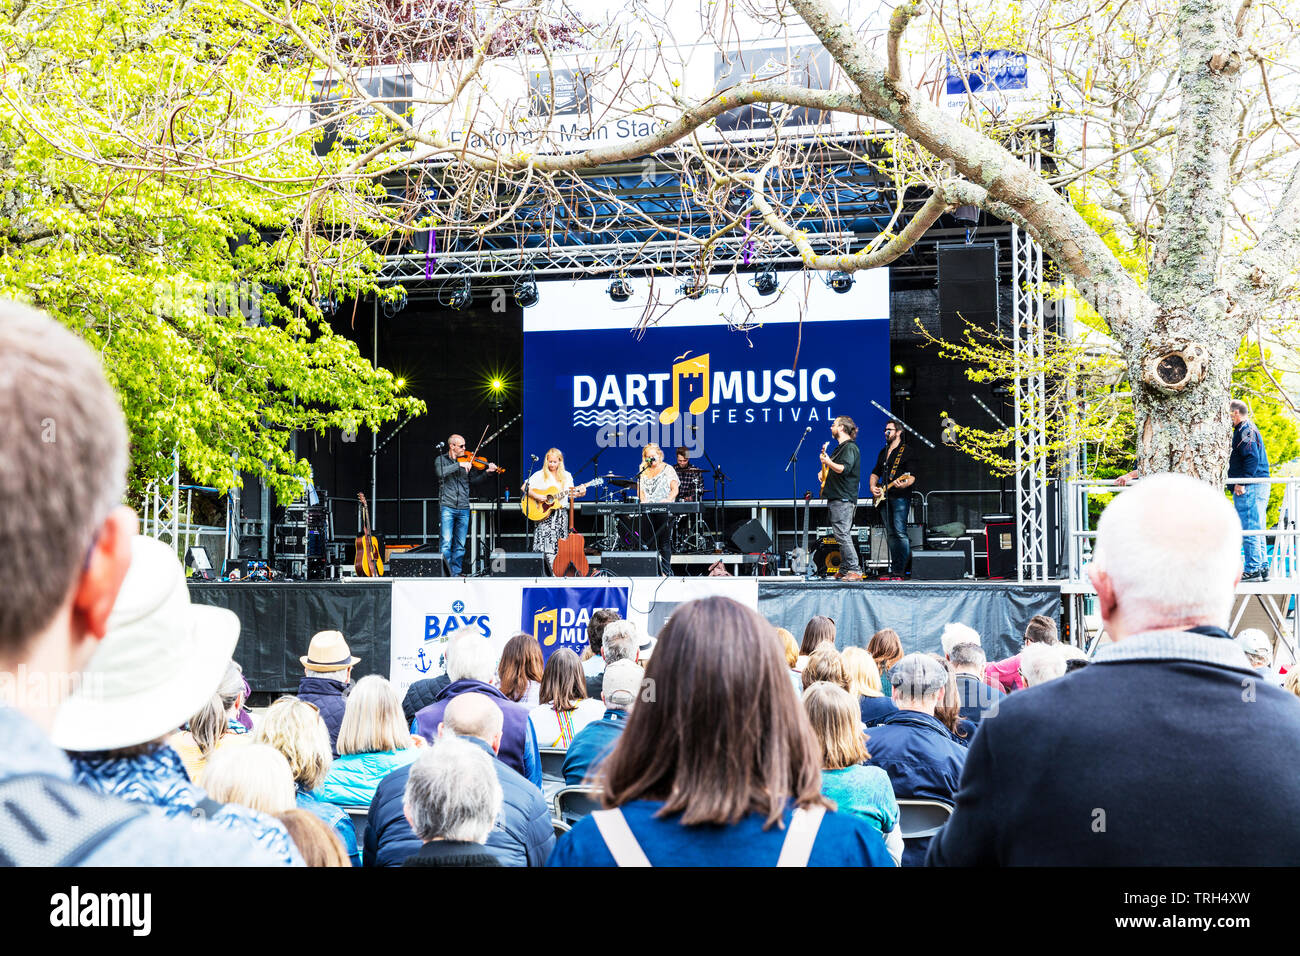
(415, 563)
(631, 564)
(964, 545)
(938, 565)
(517, 564)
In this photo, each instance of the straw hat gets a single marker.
(161, 660)
(328, 652)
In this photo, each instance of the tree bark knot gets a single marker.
(1225, 62)
(1171, 368)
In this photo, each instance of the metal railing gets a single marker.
(1283, 557)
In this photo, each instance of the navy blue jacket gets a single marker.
(421, 694)
(875, 709)
(923, 762)
(978, 699)
(518, 740)
(1248, 458)
(591, 745)
(331, 699)
(1166, 751)
(523, 834)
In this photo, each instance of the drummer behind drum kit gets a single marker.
(691, 533)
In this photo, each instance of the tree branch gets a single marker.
(898, 22)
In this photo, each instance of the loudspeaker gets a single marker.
(968, 288)
(1000, 541)
(964, 545)
(631, 564)
(517, 564)
(423, 562)
(915, 536)
(878, 553)
(938, 565)
(748, 536)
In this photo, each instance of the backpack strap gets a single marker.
(618, 838)
(799, 839)
(47, 821)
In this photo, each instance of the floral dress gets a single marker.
(554, 528)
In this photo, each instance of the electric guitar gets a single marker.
(368, 563)
(879, 498)
(537, 510)
(826, 469)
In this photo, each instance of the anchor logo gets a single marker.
(422, 662)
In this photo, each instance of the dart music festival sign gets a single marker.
(734, 377)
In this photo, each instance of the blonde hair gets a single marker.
(824, 664)
(861, 671)
(295, 728)
(1291, 683)
(373, 721)
(548, 455)
(791, 646)
(837, 722)
(317, 843)
(255, 776)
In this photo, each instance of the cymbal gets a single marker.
(617, 481)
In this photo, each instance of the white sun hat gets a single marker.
(161, 660)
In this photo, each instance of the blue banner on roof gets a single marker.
(988, 69)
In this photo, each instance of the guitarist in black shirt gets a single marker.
(891, 480)
(842, 471)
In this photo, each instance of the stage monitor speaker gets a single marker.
(422, 562)
(968, 289)
(938, 565)
(748, 536)
(631, 564)
(964, 545)
(517, 564)
(1000, 541)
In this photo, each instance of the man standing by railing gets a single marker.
(1249, 460)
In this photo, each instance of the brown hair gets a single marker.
(817, 630)
(596, 627)
(314, 838)
(1040, 630)
(837, 722)
(64, 443)
(847, 425)
(948, 710)
(521, 662)
(563, 682)
(724, 736)
(824, 664)
(885, 648)
(791, 646)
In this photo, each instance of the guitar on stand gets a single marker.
(368, 562)
(571, 553)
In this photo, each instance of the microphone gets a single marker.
(533, 457)
(441, 444)
(807, 430)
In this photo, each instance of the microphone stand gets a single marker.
(719, 503)
(792, 466)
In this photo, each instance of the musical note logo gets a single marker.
(546, 626)
(694, 374)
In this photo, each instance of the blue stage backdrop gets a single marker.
(741, 398)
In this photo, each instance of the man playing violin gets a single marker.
(455, 476)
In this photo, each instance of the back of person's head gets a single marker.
(967, 657)
(1075, 657)
(790, 645)
(1041, 662)
(210, 724)
(621, 685)
(317, 844)
(1257, 647)
(885, 648)
(563, 682)
(1168, 555)
(253, 775)
(955, 633)
(453, 793)
(818, 630)
(471, 658)
(824, 664)
(918, 680)
(64, 450)
(327, 649)
(723, 736)
(1041, 629)
(947, 710)
(1291, 682)
(621, 641)
(837, 722)
(596, 628)
(521, 662)
(295, 728)
(373, 721)
(861, 672)
(473, 715)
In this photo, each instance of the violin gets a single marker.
(477, 462)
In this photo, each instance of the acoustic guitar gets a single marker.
(537, 510)
(571, 553)
(368, 563)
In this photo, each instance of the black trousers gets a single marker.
(658, 533)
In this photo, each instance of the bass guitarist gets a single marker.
(891, 480)
(843, 473)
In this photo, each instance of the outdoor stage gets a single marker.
(398, 626)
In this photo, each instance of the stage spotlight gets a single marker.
(841, 282)
(400, 383)
(765, 282)
(620, 290)
(967, 216)
(462, 295)
(396, 304)
(526, 291)
(899, 370)
(497, 384)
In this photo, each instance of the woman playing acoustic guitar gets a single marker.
(552, 480)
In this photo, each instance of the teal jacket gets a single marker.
(353, 777)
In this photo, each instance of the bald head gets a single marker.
(473, 715)
(1168, 556)
(455, 445)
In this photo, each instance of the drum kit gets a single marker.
(691, 533)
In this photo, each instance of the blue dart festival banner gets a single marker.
(733, 376)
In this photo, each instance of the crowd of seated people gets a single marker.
(716, 743)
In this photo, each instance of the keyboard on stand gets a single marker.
(600, 508)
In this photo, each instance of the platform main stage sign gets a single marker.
(733, 376)
(428, 613)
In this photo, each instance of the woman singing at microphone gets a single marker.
(658, 483)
